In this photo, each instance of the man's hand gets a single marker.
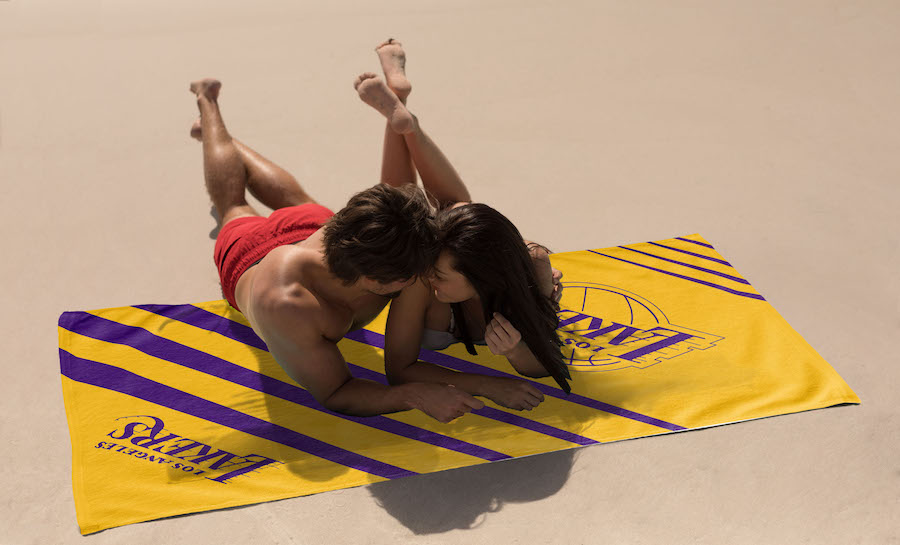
(443, 402)
(500, 336)
(557, 285)
(513, 393)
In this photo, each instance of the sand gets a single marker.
(769, 128)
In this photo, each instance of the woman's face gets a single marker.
(449, 285)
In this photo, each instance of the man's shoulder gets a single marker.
(290, 312)
(283, 302)
(293, 254)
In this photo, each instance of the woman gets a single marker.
(488, 286)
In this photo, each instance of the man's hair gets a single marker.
(384, 233)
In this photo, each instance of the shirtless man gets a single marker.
(304, 277)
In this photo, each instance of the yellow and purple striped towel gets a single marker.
(176, 409)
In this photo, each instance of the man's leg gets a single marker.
(223, 170)
(268, 182)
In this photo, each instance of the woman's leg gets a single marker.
(438, 175)
(268, 182)
(223, 171)
(396, 164)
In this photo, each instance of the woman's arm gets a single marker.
(403, 337)
(504, 339)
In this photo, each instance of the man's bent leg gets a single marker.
(223, 170)
(268, 182)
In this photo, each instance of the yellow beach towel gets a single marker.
(176, 409)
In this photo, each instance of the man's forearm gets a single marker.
(361, 397)
(422, 371)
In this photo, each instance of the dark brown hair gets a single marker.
(489, 251)
(384, 233)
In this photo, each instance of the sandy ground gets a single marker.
(768, 127)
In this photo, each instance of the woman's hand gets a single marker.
(443, 402)
(512, 393)
(557, 285)
(500, 336)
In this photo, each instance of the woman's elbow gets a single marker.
(531, 372)
(396, 376)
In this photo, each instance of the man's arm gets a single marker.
(314, 362)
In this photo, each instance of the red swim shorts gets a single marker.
(245, 240)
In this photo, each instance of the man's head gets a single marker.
(385, 235)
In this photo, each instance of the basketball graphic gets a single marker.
(605, 328)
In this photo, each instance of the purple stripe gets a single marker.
(522, 422)
(710, 284)
(495, 414)
(457, 364)
(207, 320)
(695, 242)
(125, 382)
(710, 271)
(701, 256)
(140, 339)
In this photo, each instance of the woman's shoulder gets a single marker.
(418, 294)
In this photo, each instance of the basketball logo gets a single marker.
(605, 328)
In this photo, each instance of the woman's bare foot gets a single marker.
(374, 92)
(196, 131)
(393, 62)
(207, 87)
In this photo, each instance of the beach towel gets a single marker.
(176, 409)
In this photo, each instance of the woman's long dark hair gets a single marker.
(489, 251)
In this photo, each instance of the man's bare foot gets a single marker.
(393, 62)
(196, 131)
(374, 92)
(207, 87)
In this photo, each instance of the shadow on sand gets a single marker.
(461, 498)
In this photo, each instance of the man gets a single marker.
(304, 277)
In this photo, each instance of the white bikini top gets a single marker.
(433, 339)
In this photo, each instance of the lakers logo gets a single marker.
(604, 328)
